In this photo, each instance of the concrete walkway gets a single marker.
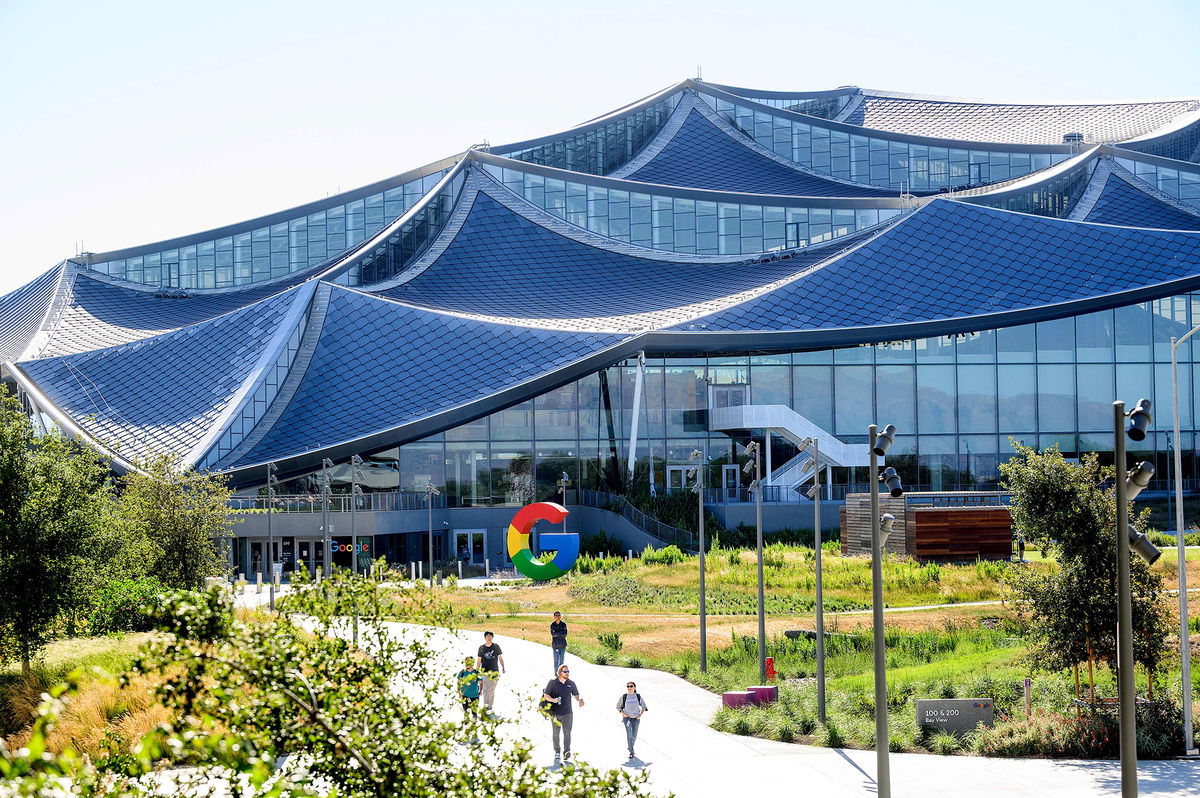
(684, 755)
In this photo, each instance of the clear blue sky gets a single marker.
(123, 123)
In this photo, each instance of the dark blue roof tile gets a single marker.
(1121, 203)
(22, 312)
(702, 156)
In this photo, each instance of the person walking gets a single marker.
(632, 707)
(558, 640)
(557, 695)
(468, 689)
(491, 664)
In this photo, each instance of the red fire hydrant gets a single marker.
(770, 669)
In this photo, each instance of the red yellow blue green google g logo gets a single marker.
(565, 546)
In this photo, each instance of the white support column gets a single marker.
(767, 448)
(637, 411)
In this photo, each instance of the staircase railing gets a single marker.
(656, 529)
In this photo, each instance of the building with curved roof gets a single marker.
(707, 266)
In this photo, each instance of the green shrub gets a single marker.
(943, 743)
(610, 640)
(830, 735)
(121, 605)
(669, 555)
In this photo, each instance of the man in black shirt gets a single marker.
(558, 640)
(558, 695)
(491, 665)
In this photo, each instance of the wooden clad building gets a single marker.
(935, 527)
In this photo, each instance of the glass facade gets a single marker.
(879, 161)
(823, 107)
(1181, 183)
(276, 250)
(955, 399)
(676, 224)
(1055, 198)
(1183, 145)
(603, 149)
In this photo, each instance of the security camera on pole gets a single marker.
(272, 481)
(430, 491)
(697, 473)
(881, 441)
(326, 490)
(1128, 488)
(814, 493)
(753, 449)
(355, 492)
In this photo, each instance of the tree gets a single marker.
(183, 518)
(55, 503)
(1072, 509)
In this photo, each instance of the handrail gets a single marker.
(380, 501)
(651, 526)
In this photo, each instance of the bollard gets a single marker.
(487, 568)
(258, 582)
(1028, 697)
(420, 570)
(629, 556)
(460, 569)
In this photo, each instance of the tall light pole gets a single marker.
(563, 483)
(272, 480)
(355, 492)
(697, 472)
(326, 489)
(881, 441)
(1127, 489)
(814, 493)
(431, 491)
(754, 449)
(1185, 648)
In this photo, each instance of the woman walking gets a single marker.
(632, 707)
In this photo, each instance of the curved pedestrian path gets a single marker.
(684, 755)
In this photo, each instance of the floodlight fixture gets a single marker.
(1141, 544)
(326, 462)
(432, 490)
(805, 444)
(884, 439)
(886, 522)
(891, 479)
(1138, 479)
(814, 491)
(1139, 421)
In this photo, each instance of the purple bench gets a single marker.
(738, 698)
(764, 694)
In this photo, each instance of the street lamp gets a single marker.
(880, 442)
(563, 483)
(697, 473)
(326, 490)
(753, 448)
(814, 493)
(355, 492)
(1185, 648)
(1128, 488)
(272, 480)
(431, 491)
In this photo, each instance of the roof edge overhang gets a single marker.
(624, 184)
(1034, 180)
(589, 126)
(273, 218)
(691, 342)
(742, 91)
(63, 419)
(857, 130)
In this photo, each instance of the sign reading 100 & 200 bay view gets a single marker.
(955, 716)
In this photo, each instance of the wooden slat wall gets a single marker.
(856, 524)
(946, 534)
(960, 534)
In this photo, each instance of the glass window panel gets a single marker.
(468, 474)
(896, 352)
(1095, 389)
(1016, 344)
(1056, 397)
(686, 401)
(853, 400)
(854, 354)
(555, 413)
(513, 423)
(813, 391)
(935, 350)
(895, 397)
(512, 474)
(1133, 332)
(977, 347)
(771, 385)
(935, 399)
(1094, 337)
(420, 464)
(1056, 341)
(1170, 320)
(976, 399)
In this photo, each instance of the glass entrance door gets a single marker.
(730, 482)
(677, 478)
(470, 545)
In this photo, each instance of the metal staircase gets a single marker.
(730, 414)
